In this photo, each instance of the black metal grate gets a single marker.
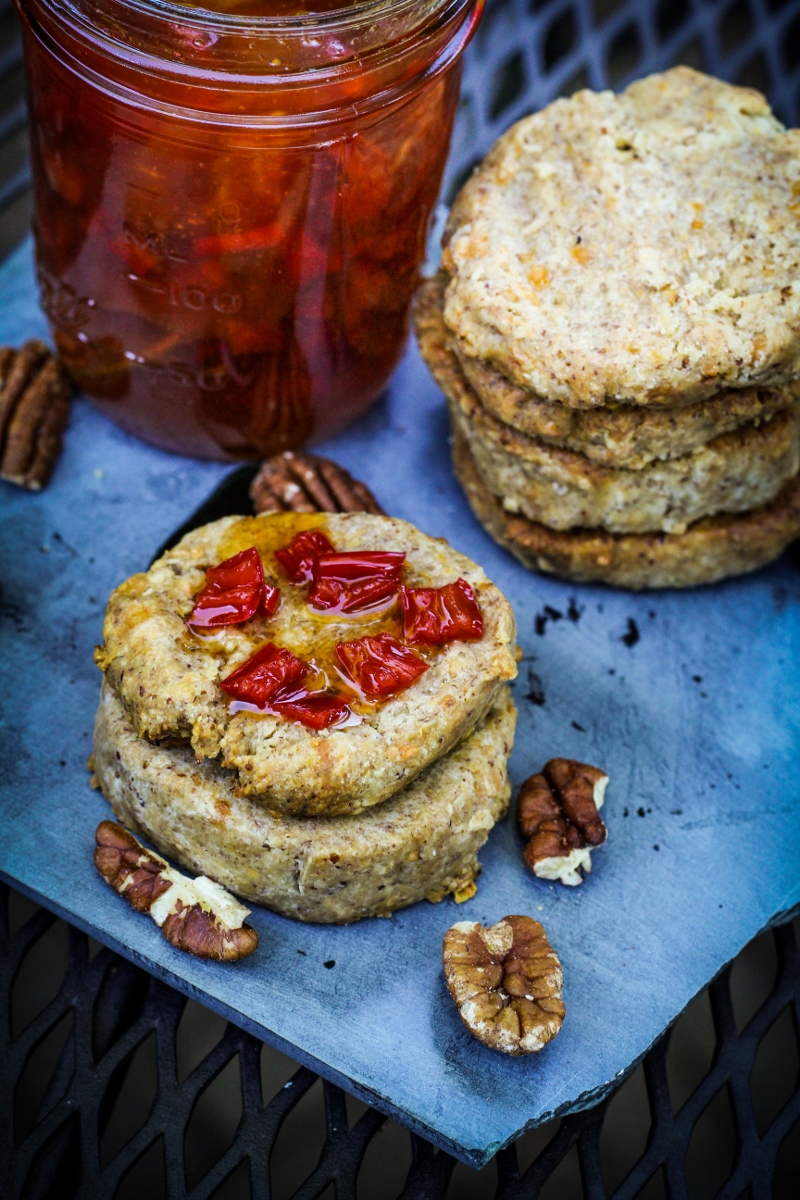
(15, 175)
(528, 52)
(106, 1010)
(525, 53)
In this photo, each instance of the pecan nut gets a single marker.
(196, 915)
(558, 817)
(506, 983)
(294, 482)
(34, 411)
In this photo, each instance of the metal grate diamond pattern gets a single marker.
(115, 1007)
(528, 52)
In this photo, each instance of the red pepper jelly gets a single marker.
(231, 207)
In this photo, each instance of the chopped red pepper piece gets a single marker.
(298, 558)
(355, 565)
(331, 595)
(317, 710)
(262, 677)
(380, 666)
(270, 599)
(355, 581)
(439, 615)
(234, 591)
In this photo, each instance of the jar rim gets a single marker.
(338, 19)
(189, 57)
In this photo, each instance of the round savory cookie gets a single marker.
(420, 845)
(167, 676)
(622, 435)
(640, 248)
(737, 472)
(713, 549)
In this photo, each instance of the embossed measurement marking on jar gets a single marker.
(62, 303)
(194, 298)
(166, 249)
(187, 375)
(197, 299)
(154, 243)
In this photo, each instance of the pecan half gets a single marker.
(559, 819)
(196, 915)
(293, 482)
(506, 983)
(34, 411)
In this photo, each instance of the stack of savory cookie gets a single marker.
(311, 709)
(617, 331)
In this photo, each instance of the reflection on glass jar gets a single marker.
(231, 210)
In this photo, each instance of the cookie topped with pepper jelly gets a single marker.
(327, 659)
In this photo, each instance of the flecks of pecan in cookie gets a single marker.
(506, 983)
(196, 915)
(294, 482)
(558, 817)
(34, 411)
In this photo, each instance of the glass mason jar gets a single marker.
(231, 211)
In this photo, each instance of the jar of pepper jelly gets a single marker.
(231, 207)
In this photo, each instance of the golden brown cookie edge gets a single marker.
(713, 549)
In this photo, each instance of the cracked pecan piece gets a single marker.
(558, 815)
(294, 482)
(34, 411)
(506, 983)
(195, 915)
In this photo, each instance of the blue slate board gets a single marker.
(690, 701)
